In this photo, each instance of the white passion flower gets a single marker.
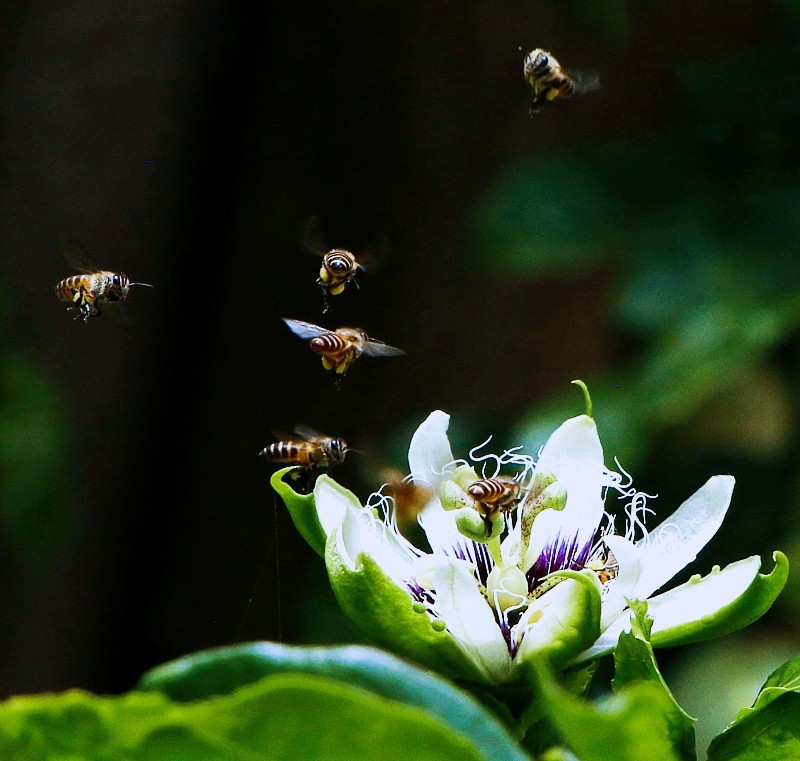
(539, 572)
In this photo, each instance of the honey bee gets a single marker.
(409, 497)
(93, 286)
(495, 495)
(339, 266)
(604, 564)
(549, 80)
(312, 450)
(312, 453)
(341, 347)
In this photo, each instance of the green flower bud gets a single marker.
(541, 481)
(554, 497)
(472, 525)
(453, 497)
(465, 476)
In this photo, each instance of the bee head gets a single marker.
(536, 62)
(119, 286)
(338, 449)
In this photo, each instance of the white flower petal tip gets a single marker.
(429, 451)
(674, 544)
(332, 502)
(575, 440)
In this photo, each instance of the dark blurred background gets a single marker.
(643, 238)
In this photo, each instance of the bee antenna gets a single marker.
(146, 285)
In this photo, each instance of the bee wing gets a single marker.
(374, 348)
(314, 237)
(77, 255)
(307, 433)
(584, 81)
(374, 257)
(305, 329)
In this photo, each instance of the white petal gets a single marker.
(429, 450)
(470, 620)
(616, 590)
(675, 543)
(573, 453)
(686, 604)
(332, 501)
(440, 528)
(361, 532)
(575, 439)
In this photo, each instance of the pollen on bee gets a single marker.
(328, 364)
(337, 289)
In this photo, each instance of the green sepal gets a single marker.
(634, 663)
(302, 510)
(743, 611)
(577, 624)
(385, 614)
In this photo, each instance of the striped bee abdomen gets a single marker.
(329, 343)
(499, 491)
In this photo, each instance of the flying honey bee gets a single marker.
(495, 495)
(409, 497)
(339, 266)
(604, 564)
(311, 450)
(341, 347)
(312, 453)
(93, 287)
(549, 80)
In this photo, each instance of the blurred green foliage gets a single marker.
(33, 440)
(699, 225)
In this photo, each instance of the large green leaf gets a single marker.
(631, 725)
(634, 662)
(280, 718)
(771, 728)
(221, 671)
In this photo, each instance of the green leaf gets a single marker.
(629, 726)
(280, 718)
(301, 509)
(782, 680)
(634, 662)
(771, 734)
(771, 728)
(221, 671)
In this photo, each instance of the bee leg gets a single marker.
(306, 478)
